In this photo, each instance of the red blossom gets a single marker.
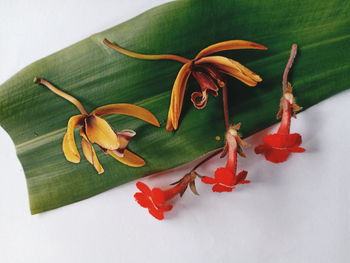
(278, 146)
(155, 200)
(152, 199)
(225, 178)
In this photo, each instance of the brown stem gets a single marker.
(225, 106)
(61, 94)
(211, 155)
(143, 56)
(293, 53)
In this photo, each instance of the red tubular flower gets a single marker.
(155, 200)
(278, 146)
(225, 178)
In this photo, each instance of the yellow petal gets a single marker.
(177, 96)
(68, 146)
(128, 158)
(90, 154)
(127, 109)
(232, 68)
(100, 132)
(229, 45)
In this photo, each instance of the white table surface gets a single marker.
(292, 212)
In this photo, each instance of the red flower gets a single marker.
(278, 146)
(152, 199)
(225, 178)
(155, 199)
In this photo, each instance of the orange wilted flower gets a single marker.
(207, 70)
(95, 129)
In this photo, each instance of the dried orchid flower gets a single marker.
(208, 71)
(96, 130)
(225, 178)
(277, 147)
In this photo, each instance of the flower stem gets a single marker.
(293, 53)
(143, 56)
(225, 106)
(211, 155)
(61, 94)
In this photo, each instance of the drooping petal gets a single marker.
(276, 155)
(89, 153)
(100, 132)
(283, 141)
(229, 45)
(241, 177)
(177, 96)
(208, 180)
(225, 176)
(222, 188)
(157, 213)
(297, 149)
(129, 158)
(232, 68)
(127, 109)
(68, 146)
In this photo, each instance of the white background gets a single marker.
(292, 212)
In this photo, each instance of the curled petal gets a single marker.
(177, 97)
(90, 155)
(129, 158)
(100, 132)
(127, 109)
(232, 68)
(203, 102)
(68, 146)
(229, 45)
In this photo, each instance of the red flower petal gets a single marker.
(297, 149)
(283, 140)
(208, 180)
(261, 149)
(225, 176)
(143, 188)
(158, 196)
(166, 208)
(143, 200)
(156, 213)
(276, 155)
(240, 178)
(222, 188)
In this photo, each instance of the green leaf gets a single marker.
(36, 119)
